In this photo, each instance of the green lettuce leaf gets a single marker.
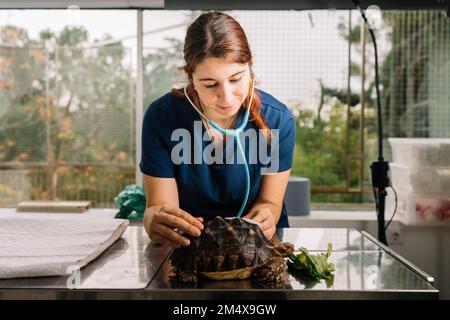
(316, 266)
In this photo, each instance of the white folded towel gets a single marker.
(49, 245)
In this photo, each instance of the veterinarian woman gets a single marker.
(202, 145)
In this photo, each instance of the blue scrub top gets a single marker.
(216, 189)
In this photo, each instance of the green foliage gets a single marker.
(8, 195)
(327, 147)
(20, 132)
(90, 93)
(21, 126)
(316, 266)
(161, 70)
(83, 95)
(414, 75)
(72, 36)
(355, 34)
(322, 153)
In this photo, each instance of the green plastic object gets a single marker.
(131, 201)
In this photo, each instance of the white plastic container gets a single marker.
(419, 209)
(420, 152)
(420, 179)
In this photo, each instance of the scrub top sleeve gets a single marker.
(286, 142)
(155, 159)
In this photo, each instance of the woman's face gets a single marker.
(222, 86)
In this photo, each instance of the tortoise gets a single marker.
(231, 248)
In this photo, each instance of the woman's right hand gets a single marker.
(162, 223)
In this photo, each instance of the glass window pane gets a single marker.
(67, 112)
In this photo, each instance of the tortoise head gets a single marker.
(284, 249)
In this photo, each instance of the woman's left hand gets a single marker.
(266, 219)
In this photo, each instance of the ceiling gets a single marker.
(224, 4)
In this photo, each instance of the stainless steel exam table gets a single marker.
(134, 268)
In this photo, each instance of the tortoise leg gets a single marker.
(189, 276)
(274, 270)
(173, 272)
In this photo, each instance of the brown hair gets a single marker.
(218, 35)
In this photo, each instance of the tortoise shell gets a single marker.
(231, 248)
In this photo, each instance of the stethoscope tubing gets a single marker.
(235, 134)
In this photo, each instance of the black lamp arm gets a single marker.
(379, 168)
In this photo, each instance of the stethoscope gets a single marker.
(235, 134)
